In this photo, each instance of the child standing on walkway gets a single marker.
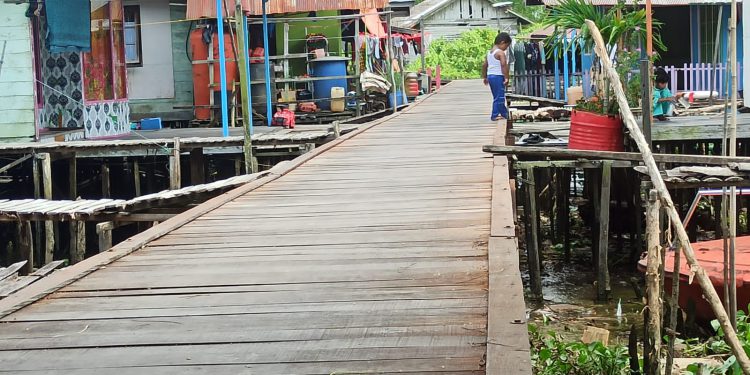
(495, 72)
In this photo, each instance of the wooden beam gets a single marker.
(603, 286)
(104, 175)
(197, 167)
(73, 178)
(175, 175)
(561, 153)
(36, 175)
(15, 163)
(137, 177)
(77, 241)
(532, 245)
(49, 228)
(653, 287)
(26, 246)
(104, 231)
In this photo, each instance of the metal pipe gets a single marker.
(222, 70)
(267, 62)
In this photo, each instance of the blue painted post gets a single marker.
(557, 76)
(544, 69)
(573, 57)
(248, 92)
(566, 68)
(222, 70)
(269, 99)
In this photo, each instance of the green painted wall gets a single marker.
(299, 30)
(183, 78)
(16, 74)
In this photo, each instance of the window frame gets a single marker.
(138, 35)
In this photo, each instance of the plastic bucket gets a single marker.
(591, 131)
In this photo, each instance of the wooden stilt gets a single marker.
(197, 167)
(175, 176)
(77, 241)
(104, 231)
(38, 232)
(237, 167)
(653, 282)
(137, 177)
(26, 247)
(532, 246)
(49, 228)
(603, 267)
(106, 193)
(73, 177)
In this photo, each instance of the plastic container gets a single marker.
(399, 99)
(327, 67)
(338, 99)
(151, 123)
(412, 85)
(592, 131)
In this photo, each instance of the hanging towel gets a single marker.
(69, 25)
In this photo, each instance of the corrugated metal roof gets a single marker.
(207, 8)
(653, 2)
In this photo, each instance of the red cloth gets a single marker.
(284, 117)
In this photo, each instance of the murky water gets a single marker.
(570, 304)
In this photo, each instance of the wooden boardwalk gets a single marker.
(370, 255)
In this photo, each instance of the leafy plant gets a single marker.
(618, 24)
(461, 58)
(551, 355)
(717, 346)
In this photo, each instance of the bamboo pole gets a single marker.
(733, 152)
(247, 112)
(653, 282)
(666, 200)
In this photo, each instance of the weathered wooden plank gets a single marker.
(11, 270)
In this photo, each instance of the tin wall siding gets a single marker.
(207, 8)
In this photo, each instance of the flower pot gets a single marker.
(592, 131)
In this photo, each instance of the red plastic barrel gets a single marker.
(591, 131)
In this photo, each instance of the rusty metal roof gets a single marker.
(207, 8)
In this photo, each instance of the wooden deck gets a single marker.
(372, 254)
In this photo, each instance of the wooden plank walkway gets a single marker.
(372, 256)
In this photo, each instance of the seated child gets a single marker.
(663, 99)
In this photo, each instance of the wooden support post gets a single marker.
(357, 69)
(653, 282)
(389, 59)
(237, 167)
(77, 241)
(564, 220)
(336, 129)
(532, 245)
(603, 287)
(49, 228)
(73, 177)
(137, 177)
(36, 175)
(423, 53)
(26, 246)
(104, 231)
(197, 167)
(175, 176)
(709, 293)
(245, 87)
(646, 98)
(106, 193)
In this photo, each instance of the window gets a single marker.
(132, 26)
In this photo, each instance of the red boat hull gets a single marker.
(710, 255)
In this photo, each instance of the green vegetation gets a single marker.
(461, 58)
(551, 355)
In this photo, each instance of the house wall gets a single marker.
(746, 53)
(16, 74)
(462, 15)
(166, 79)
(154, 79)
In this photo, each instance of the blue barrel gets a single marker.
(327, 67)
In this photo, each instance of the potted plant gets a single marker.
(595, 121)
